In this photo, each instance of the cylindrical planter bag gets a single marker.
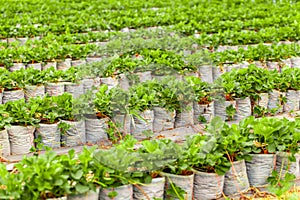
(17, 66)
(21, 139)
(91, 195)
(60, 198)
(205, 110)
(11, 40)
(220, 108)
(274, 100)
(243, 65)
(95, 130)
(3, 40)
(217, 72)
(124, 82)
(199, 110)
(206, 73)
(124, 192)
(153, 190)
(109, 81)
(64, 65)
(76, 89)
(48, 65)
(163, 119)
(260, 168)
(125, 122)
(263, 100)
(37, 66)
(93, 59)
(236, 179)
(192, 73)
(75, 135)
(22, 41)
(221, 49)
(287, 62)
(89, 83)
(32, 91)
(186, 183)
(54, 89)
(208, 185)
(77, 62)
(1, 97)
(243, 108)
(273, 65)
(50, 135)
(185, 117)
(139, 126)
(230, 67)
(292, 101)
(295, 62)
(4, 143)
(12, 95)
(284, 165)
(259, 64)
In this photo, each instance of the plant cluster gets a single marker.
(237, 16)
(49, 175)
(251, 81)
(20, 78)
(261, 52)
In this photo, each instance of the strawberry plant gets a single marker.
(289, 79)
(210, 156)
(201, 89)
(47, 110)
(44, 175)
(231, 139)
(34, 77)
(72, 75)
(5, 118)
(65, 106)
(21, 113)
(53, 75)
(8, 180)
(141, 98)
(12, 80)
(102, 102)
(183, 91)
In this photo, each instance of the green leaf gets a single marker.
(77, 175)
(81, 189)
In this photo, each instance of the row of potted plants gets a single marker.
(233, 84)
(273, 53)
(13, 55)
(158, 105)
(224, 161)
(106, 105)
(229, 37)
(54, 51)
(30, 82)
(149, 17)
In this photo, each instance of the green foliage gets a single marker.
(209, 155)
(12, 80)
(47, 110)
(10, 184)
(102, 102)
(44, 175)
(269, 135)
(21, 113)
(230, 112)
(201, 89)
(5, 118)
(34, 77)
(175, 192)
(280, 185)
